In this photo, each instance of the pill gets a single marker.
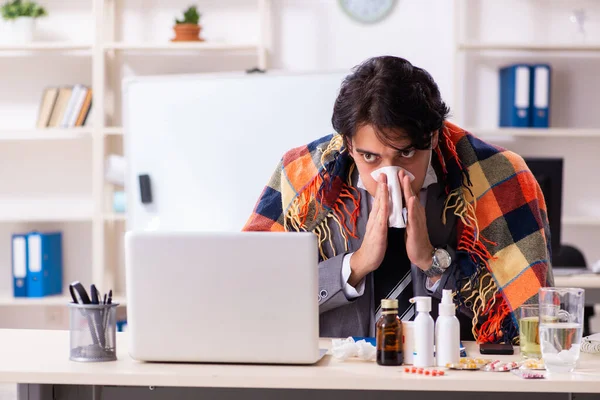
(434, 373)
(414, 369)
(441, 373)
(427, 372)
(406, 369)
(420, 371)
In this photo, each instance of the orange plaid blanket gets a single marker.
(503, 252)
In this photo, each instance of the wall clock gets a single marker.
(367, 11)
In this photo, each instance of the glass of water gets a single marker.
(529, 331)
(561, 327)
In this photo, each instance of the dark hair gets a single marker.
(395, 97)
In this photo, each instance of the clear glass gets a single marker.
(561, 327)
(529, 331)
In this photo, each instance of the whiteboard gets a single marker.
(211, 142)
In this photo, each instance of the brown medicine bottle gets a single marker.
(388, 334)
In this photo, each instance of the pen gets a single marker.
(94, 292)
(110, 296)
(80, 296)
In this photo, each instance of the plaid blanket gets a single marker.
(503, 251)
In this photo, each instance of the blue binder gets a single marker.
(19, 265)
(515, 87)
(45, 264)
(540, 95)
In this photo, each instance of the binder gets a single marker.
(45, 264)
(19, 265)
(540, 99)
(515, 96)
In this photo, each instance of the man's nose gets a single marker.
(385, 162)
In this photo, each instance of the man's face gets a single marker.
(370, 153)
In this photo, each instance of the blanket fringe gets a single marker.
(308, 200)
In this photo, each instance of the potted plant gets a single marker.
(21, 16)
(188, 28)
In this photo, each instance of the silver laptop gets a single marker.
(224, 297)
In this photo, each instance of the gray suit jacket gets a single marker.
(343, 317)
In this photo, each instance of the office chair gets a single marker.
(570, 256)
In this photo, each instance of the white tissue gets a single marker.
(343, 349)
(366, 351)
(397, 211)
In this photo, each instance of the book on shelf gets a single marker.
(525, 95)
(65, 107)
(47, 105)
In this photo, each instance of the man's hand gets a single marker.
(418, 246)
(372, 250)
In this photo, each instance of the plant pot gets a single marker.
(187, 33)
(21, 30)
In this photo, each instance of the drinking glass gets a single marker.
(561, 327)
(529, 331)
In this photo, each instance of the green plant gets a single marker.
(18, 8)
(190, 16)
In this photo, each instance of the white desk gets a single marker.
(38, 357)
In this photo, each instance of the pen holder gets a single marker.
(93, 332)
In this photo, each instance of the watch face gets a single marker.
(443, 258)
(367, 11)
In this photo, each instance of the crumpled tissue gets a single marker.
(342, 349)
(398, 215)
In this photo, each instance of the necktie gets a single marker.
(392, 280)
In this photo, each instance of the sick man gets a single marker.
(472, 216)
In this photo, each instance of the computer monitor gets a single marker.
(549, 174)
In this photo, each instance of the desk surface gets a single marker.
(36, 356)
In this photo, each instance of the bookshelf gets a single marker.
(46, 46)
(45, 134)
(535, 132)
(478, 56)
(195, 46)
(113, 131)
(582, 221)
(8, 300)
(104, 53)
(115, 217)
(537, 47)
(48, 209)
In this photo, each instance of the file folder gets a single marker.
(540, 101)
(515, 96)
(45, 264)
(19, 265)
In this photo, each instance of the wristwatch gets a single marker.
(440, 261)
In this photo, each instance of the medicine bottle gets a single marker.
(389, 334)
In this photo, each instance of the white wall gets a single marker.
(306, 35)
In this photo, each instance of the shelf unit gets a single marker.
(115, 217)
(535, 132)
(8, 300)
(592, 221)
(474, 46)
(46, 46)
(45, 134)
(195, 46)
(105, 50)
(464, 48)
(113, 131)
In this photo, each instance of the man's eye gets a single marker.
(369, 157)
(407, 153)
